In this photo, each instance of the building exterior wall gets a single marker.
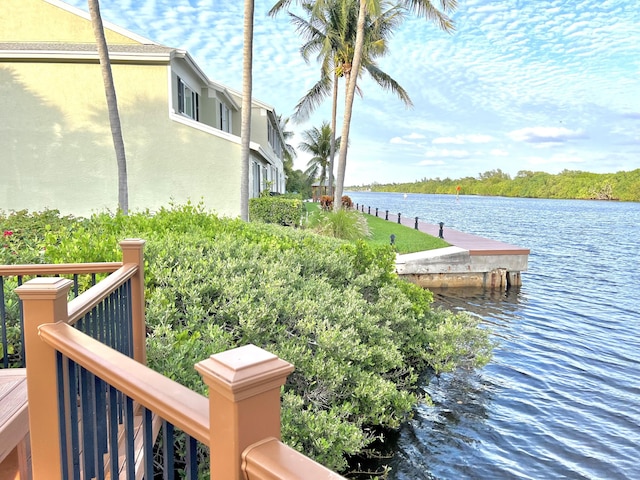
(44, 21)
(57, 151)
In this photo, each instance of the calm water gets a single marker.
(561, 397)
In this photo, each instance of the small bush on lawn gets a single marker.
(326, 202)
(357, 335)
(347, 202)
(343, 224)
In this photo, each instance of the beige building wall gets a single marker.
(57, 151)
(44, 21)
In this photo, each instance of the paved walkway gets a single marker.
(473, 243)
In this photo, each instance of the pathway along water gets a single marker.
(561, 397)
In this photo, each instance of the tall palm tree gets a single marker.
(317, 142)
(423, 8)
(245, 121)
(289, 151)
(112, 105)
(371, 9)
(330, 34)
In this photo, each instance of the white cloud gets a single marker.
(399, 141)
(430, 162)
(545, 134)
(447, 153)
(496, 152)
(462, 139)
(557, 162)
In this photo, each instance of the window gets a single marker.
(274, 139)
(188, 101)
(225, 118)
(255, 184)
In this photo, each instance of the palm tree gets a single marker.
(421, 8)
(245, 122)
(370, 9)
(289, 151)
(112, 105)
(330, 33)
(317, 142)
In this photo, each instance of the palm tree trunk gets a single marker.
(245, 132)
(112, 105)
(334, 114)
(349, 96)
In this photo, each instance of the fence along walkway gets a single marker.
(78, 379)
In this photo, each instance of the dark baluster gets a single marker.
(129, 444)
(192, 458)
(64, 452)
(114, 414)
(167, 447)
(147, 426)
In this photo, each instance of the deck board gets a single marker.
(14, 424)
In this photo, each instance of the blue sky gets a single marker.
(541, 85)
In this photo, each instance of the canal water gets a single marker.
(561, 397)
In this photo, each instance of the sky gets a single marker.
(537, 85)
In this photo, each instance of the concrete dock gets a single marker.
(471, 261)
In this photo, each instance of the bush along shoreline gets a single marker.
(358, 336)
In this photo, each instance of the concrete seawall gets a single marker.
(455, 267)
(471, 261)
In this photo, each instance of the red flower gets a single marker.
(7, 233)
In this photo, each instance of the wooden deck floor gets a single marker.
(14, 424)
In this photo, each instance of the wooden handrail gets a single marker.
(82, 304)
(270, 459)
(58, 268)
(184, 408)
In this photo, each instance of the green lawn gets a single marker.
(407, 240)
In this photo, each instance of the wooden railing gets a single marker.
(82, 275)
(96, 412)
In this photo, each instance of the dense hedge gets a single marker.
(279, 209)
(357, 335)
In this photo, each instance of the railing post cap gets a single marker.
(244, 371)
(132, 242)
(44, 288)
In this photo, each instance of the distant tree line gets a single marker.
(568, 184)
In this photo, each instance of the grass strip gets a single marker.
(407, 240)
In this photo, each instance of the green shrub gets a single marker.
(357, 335)
(279, 209)
(343, 224)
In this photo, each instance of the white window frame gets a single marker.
(225, 118)
(188, 101)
